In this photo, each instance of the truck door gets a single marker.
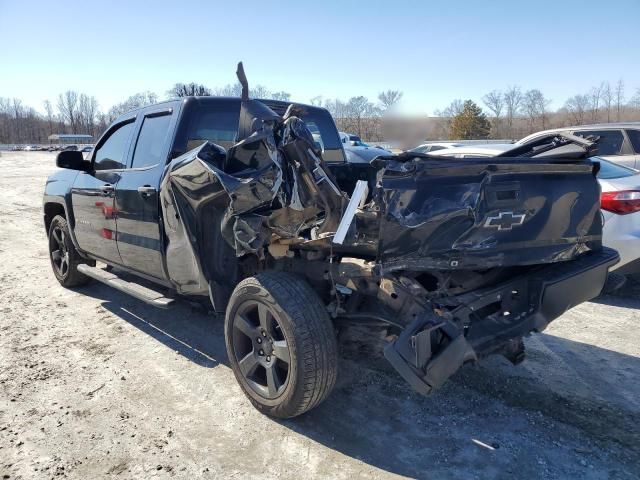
(93, 193)
(136, 198)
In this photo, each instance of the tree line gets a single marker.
(510, 113)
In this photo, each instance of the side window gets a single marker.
(151, 141)
(436, 147)
(110, 155)
(610, 142)
(634, 137)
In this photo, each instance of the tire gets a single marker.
(64, 256)
(278, 307)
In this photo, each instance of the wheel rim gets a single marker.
(261, 349)
(59, 252)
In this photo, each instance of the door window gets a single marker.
(111, 154)
(151, 141)
(610, 142)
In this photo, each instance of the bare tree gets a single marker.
(635, 100)
(577, 107)
(48, 108)
(443, 125)
(188, 90)
(316, 101)
(494, 101)
(18, 114)
(359, 108)
(607, 99)
(134, 101)
(259, 91)
(535, 106)
(389, 98)
(455, 108)
(68, 108)
(595, 96)
(512, 101)
(282, 96)
(229, 90)
(87, 112)
(619, 99)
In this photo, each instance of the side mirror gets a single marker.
(73, 160)
(354, 143)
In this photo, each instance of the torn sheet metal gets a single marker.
(271, 184)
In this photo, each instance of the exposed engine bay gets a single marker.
(454, 259)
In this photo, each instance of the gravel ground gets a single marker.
(96, 384)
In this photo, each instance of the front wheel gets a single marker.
(64, 256)
(281, 344)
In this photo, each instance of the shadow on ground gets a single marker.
(375, 417)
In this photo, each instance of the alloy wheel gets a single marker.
(261, 349)
(59, 252)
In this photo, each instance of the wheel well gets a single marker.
(51, 210)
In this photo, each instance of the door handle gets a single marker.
(106, 189)
(146, 190)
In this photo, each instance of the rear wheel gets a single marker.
(64, 256)
(281, 344)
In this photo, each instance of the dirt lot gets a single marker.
(96, 384)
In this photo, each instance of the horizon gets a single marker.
(402, 47)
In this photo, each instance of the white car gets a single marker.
(620, 202)
(435, 146)
(618, 142)
(475, 151)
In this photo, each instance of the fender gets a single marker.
(57, 191)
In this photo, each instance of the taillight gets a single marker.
(622, 202)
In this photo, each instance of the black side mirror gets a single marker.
(73, 160)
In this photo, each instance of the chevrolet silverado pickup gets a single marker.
(251, 206)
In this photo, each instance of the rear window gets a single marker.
(218, 124)
(609, 170)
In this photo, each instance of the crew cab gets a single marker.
(251, 206)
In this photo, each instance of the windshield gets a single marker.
(609, 170)
(356, 141)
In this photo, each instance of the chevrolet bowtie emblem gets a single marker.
(505, 220)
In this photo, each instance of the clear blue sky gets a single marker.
(433, 51)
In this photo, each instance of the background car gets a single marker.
(619, 142)
(434, 146)
(620, 202)
(476, 151)
(357, 151)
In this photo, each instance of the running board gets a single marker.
(135, 290)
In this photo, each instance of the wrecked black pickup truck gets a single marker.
(250, 206)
